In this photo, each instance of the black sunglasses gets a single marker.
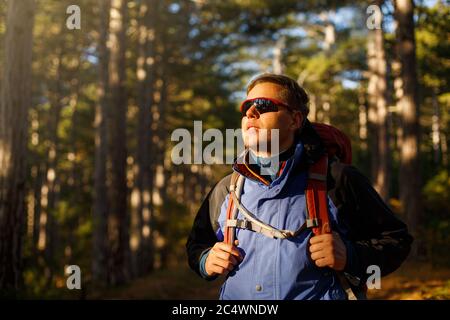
(262, 105)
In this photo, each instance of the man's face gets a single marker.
(256, 127)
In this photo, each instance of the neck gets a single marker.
(270, 154)
(266, 154)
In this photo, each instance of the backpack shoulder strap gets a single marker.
(231, 208)
(316, 197)
(317, 205)
(234, 179)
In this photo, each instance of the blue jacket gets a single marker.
(278, 268)
(282, 269)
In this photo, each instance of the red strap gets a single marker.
(229, 232)
(280, 172)
(316, 196)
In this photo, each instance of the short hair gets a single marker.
(294, 94)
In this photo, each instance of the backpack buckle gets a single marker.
(312, 223)
(237, 223)
(243, 224)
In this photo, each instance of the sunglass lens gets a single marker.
(264, 105)
(246, 106)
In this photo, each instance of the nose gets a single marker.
(252, 113)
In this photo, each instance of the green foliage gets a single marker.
(433, 50)
(437, 213)
(437, 195)
(178, 224)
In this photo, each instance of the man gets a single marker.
(365, 231)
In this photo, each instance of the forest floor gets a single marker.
(410, 282)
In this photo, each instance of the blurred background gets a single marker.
(87, 111)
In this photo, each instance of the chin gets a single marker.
(258, 144)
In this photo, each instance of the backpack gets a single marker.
(338, 148)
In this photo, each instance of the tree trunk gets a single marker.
(313, 108)
(160, 170)
(51, 180)
(362, 120)
(37, 207)
(118, 225)
(100, 210)
(444, 148)
(409, 110)
(326, 106)
(277, 63)
(15, 100)
(435, 130)
(329, 31)
(75, 177)
(144, 180)
(378, 108)
(372, 114)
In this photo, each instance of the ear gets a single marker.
(298, 119)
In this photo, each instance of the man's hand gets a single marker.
(222, 258)
(328, 250)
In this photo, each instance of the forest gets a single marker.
(91, 92)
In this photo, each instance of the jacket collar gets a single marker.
(308, 149)
(292, 156)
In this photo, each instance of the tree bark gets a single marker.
(37, 207)
(435, 129)
(277, 63)
(378, 108)
(51, 179)
(100, 210)
(362, 120)
(144, 180)
(409, 110)
(75, 177)
(118, 225)
(14, 104)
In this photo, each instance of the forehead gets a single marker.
(268, 90)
